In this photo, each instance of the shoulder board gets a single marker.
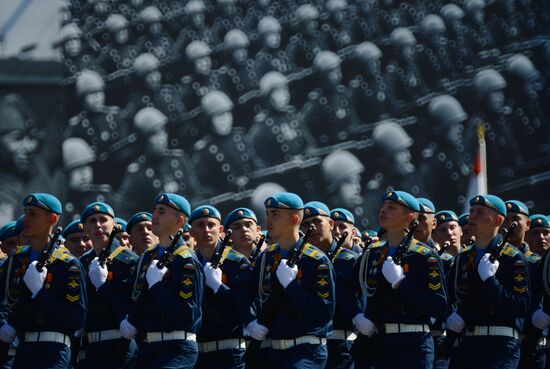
(201, 144)
(428, 152)
(186, 79)
(446, 256)
(346, 254)
(354, 83)
(510, 250)
(62, 254)
(313, 252)
(467, 248)
(21, 249)
(184, 252)
(123, 254)
(230, 254)
(378, 244)
(272, 247)
(532, 257)
(420, 248)
(74, 121)
(260, 117)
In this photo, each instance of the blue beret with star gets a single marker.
(314, 208)
(204, 211)
(343, 215)
(402, 198)
(142, 216)
(122, 223)
(284, 200)
(426, 206)
(368, 233)
(175, 201)
(515, 206)
(539, 221)
(97, 208)
(444, 216)
(239, 213)
(463, 219)
(8, 230)
(73, 227)
(490, 201)
(44, 201)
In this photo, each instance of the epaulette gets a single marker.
(124, 255)
(532, 257)
(21, 249)
(174, 152)
(272, 247)
(428, 152)
(446, 257)
(184, 251)
(390, 68)
(202, 143)
(466, 248)
(74, 121)
(377, 244)
(230, 254)
(313, 252)
(354, 83)
(260, 117)
(510, 250)
(133, 167)
(345, 254)
(420, 248)
(62, 254)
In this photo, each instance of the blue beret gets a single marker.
(426, 206)
(368, 233)
(142, 216)
(239, 213)
(204, 211)
(445, 216)
(186, 228)
(343, 215)
(539, 221)
(402, 198)
(515, 206)
(463, 219)
(8, 230)
(175, 201)
(314, 208)
(44, 201)
(490, 201)
(73, 227)
(122, 223)
(284, 200)
(95, 208)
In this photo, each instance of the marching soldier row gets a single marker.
(188, 288)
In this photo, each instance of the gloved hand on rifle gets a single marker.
(154, 274)
(455, 323)
(392, 272)
(213, 277)
(286, 274)
(127, 330)
(364, 325)
(98, 274)
(34, 279)
(256, 330)
(540, 319)
(7, 333)
(486, 269)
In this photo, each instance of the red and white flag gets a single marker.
(478, 178)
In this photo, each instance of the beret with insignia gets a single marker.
(342, 215)
(368, 233)
(490, 201)
(97, 207)
(539, 221)
(204, 211)
(515, 206)
(8, 230)
(314, 208)
(444, 216)
(44, 201)
(463, 219)
(122, 223)
(239, 213)
(137, 218)
(402, 198)
(175, 201)
(73, 227)
(426, 206)
(284, 200)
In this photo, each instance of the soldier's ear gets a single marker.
(53, 219)
(527, 225)
(499, 220)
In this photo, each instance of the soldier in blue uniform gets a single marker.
(246, 230)
(297, 337)
(400, 299)
(467, 236)
(9, 238)
(538, 236)
(41, 308)
(166, 321)
(340, 341)
(221, 336)
(187, 238)
(426, 223)
(139, 228)
(490, 299)
(344, 221)
(123, 237)
(106, 285)
(76, 240)
(447, 230)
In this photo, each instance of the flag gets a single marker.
(478, 179)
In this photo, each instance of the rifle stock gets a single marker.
(258, 249)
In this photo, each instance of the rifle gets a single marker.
(258, 249)
(106, 252)
(446, 346)
(444, 248)
(42, 259)
(339, 244)
(267, 314)
(218, 252)
(404, 245)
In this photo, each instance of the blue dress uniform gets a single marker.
(44, 323)
(494, 310)
(297, 337)
(106, 304)
(169, 314)
(221, 336)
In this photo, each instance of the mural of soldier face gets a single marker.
(81, 176)
(155, 29)
(335, 76)
(280, 98)
(272, 40)
(349, 191)
(495, 100)
(72, 47)
(203, 65)
(94, 101)
(157, 142)
(18, 148)
(121, 36)
(240, 56)
(222, 123)
(153, 79)
(197, 20)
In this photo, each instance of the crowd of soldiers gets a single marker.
(189, 288)
(224, 100)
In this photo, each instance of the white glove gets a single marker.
(98, 274)
(127, 330)
(392, 272)
(7, 333)
(256, 330)
(486, 269)
(213, 277)
(540, 319)
(286, 274)
(455, 323)
(154, 274)
(34, 279)
(364, 325)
